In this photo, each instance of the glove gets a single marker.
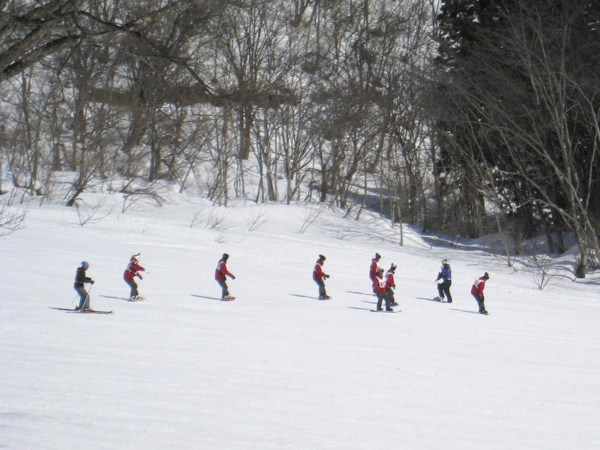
(92, 282)
(232, 277)
(140, 277)
(326, 277)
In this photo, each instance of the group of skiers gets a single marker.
(132, 270)
(444, 280)
(383, 286)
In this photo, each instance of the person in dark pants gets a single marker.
(380, 287)
(390, 284)
(221, 276)
(80, 280)
(133, 270)
(373, 269)
(444, 280)
(477, 292)
(319, 276)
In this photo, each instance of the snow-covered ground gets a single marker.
(274, 368)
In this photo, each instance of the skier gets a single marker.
(221, 276)
(133, 270)
(380, 287)
(319, 276)
(80, 280)
(373, 269)
(391, 284)
(444, 281)
(477, 292)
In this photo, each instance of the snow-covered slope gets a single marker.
(276, 368)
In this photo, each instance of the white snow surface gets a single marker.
(277, 368)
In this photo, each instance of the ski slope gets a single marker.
(276, 369)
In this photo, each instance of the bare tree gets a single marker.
(521, 121)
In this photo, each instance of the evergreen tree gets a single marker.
(518, 112)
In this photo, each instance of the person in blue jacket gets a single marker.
(444, 281)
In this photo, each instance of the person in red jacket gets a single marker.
(221, 275)
(391, 284)
(319, 276)
(133, 270)
(373, 269)
(380, 287)
(477, 292)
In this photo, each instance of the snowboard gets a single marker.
(83, 311)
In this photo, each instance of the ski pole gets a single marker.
(89, 299)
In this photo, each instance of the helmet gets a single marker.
(85, 264)
(322, 258)
(377, 256)
(225, 256)
(393, 266)
(486, 276)
(444, 261)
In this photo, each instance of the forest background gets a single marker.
(463, 117)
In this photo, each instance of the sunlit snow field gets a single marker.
(277, 368)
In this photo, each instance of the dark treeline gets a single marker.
(477, 117)
(518, 118)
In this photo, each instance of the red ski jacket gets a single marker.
(318, 272)
(379, 284)
(389, 279)
(133, 269)
(478, 287)
(373, 271)
(222, 272)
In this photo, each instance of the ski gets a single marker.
(136, 299)
(90, 311)
(228, 299)
(83, 311)
(384, 311)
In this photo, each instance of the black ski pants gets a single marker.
(480, 302)
(321, 285)
(224, 289)
(444, 290)
(133, 285)
(381, 297)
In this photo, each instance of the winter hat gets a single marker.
(486, 276)
(393, 266)
(380, 270)
(85, 264)
(134, 257)
(322, 258)
(444, 261)
(377, 256)
(225, 256)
